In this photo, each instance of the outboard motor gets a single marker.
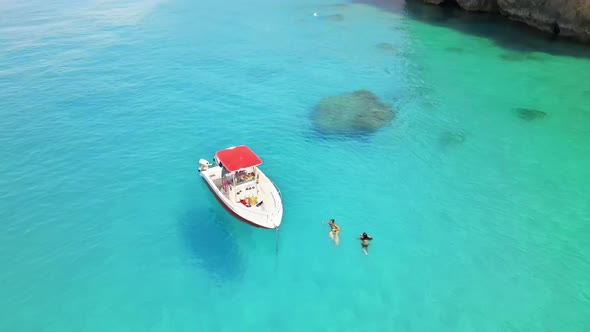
(204, 165)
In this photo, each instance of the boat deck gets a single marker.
(267, 214)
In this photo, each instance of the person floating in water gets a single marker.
(334, 230)
(365, 242)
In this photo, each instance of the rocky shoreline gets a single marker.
(565, 18)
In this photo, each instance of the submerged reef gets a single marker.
(385, 46)
(356, 112)
(521, 56)
(454, 49)
(451, 138)
(529, 114)
(332, 17)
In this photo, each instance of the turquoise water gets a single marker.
(480, 217)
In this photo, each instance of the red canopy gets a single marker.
(237, 157)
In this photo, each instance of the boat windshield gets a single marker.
(243, 176)
(239, 177)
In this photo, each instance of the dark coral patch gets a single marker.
(352, 113)
(451, 138)
(399, 28)
(385, 46)
(455, 49)
(389, 49)
(332, 17)
(520, 56)
(529, 114)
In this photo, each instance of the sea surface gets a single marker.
(477, 194)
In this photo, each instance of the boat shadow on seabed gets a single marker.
(209, 244)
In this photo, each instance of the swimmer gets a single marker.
(365, 242)
(334, 230)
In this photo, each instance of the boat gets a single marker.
(242, 188)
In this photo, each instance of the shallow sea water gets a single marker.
(479, 210)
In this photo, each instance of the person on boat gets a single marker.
(365, 238)
(334, 230)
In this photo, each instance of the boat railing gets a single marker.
(276, 202)
(278, 190)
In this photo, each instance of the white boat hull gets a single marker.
(269, 214)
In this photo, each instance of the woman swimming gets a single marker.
(334, 230)
(365, 238)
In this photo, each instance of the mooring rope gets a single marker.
(277, 240)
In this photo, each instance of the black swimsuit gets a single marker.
(365, 242)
